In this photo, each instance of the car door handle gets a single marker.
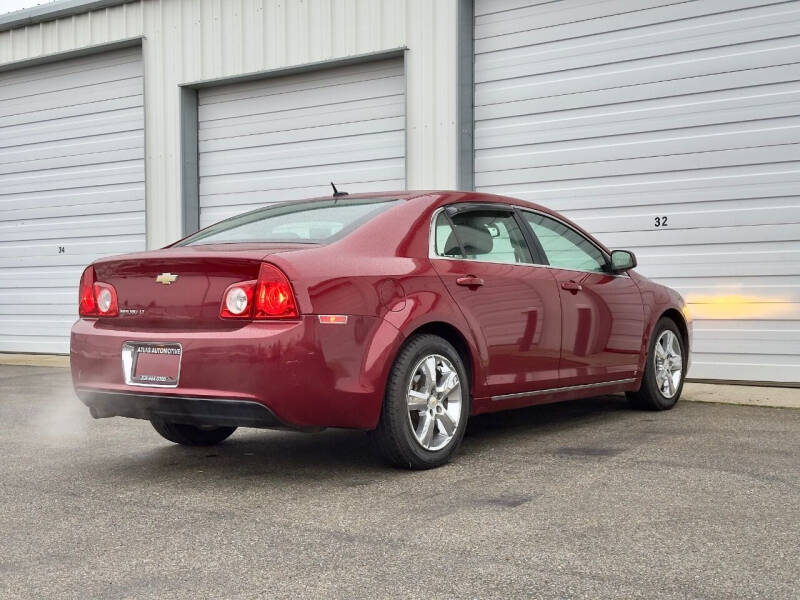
(469, 281)
(572, 286)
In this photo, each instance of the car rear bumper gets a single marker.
(179, 409)
(305, 374)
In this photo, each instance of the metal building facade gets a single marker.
(71, 187)
(668, 128)
(208, 51)
(285, 138)
(199, 41)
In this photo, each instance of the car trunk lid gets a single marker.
(181, 288)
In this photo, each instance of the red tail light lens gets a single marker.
(96, 299)
(87, 306)
(274, 296)
(270, 297)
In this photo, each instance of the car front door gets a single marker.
(602, 312)
(512, 307)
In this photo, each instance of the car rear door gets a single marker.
(602, 313)
(512, 307)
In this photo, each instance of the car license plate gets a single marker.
(153, 364)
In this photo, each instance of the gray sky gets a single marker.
(11, 5)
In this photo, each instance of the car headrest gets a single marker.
(476, 239)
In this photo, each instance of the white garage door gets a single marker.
(287, 138)
(71, 187)
(670, 128)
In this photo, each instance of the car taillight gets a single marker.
(87, 305)
(274, 297)
(237, 303)
(95, 298)
(269, 297)
(106, 299)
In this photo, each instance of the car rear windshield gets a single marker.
(314, 222)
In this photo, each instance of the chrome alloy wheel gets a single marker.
(668, 363)
(434, 402)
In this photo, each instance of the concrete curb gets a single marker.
(745, 395)
(34, 360)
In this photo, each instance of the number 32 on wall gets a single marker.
(660, 221)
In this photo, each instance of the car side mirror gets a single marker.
(622, 260)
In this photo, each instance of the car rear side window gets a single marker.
(483, 235)
(446, 242)
(318, 221)
(564, 247)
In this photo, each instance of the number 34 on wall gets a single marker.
(660, 221)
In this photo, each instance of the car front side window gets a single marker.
(564, 247)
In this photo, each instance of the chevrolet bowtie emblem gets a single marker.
(166, 278)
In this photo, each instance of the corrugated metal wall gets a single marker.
(286, 138)
(191, 40)
(71, 187)
(669, 128)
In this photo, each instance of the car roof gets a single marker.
(434, 195)
(432, 198)
(444, 197)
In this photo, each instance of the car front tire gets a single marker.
(426, 405)
(664, 371)
(189, 435)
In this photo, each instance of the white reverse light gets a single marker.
(236, 300)
(104, 300)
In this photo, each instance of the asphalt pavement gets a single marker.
(585, 499)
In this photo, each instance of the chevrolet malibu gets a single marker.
(400, 314)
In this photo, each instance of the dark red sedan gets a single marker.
(397, 313)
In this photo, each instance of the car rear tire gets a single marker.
(426, 405)
(664, 370)
(189, 435)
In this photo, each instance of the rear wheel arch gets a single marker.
(451, 334)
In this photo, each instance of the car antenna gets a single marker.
(337, 193)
